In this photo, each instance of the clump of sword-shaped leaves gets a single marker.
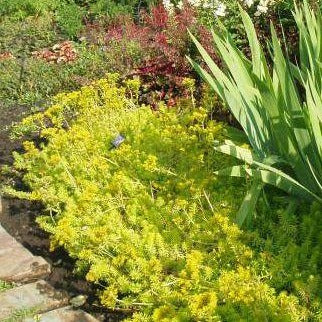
(278, 107)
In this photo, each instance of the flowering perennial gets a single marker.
(219, 8)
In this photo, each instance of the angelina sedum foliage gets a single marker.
(146, 221)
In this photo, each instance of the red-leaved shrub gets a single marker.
(164, 42)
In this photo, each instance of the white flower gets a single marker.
(168, 5)
(249, 3)
(180, 5)
(260, 10)
(195, 3)
(221, 10)
(207, 5)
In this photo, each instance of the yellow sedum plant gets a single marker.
(147, 220)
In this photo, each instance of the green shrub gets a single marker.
(20, 9)
(147, 221)
(112, 8)
(69, 14)
(27, 80)
(32, 81)
(21, 38)
(69, 18)
(279, 109)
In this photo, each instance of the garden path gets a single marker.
(31, 298)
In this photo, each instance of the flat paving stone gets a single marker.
(17, 264)
(38, 296)
(65, 314)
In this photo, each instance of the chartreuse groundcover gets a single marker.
(150, 224)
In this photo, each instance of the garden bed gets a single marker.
(119, 180)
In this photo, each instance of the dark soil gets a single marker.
(18, 218)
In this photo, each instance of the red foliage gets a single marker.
(158, 19)
(165, 42)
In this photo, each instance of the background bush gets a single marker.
(153, 47)
(69, 14)
(23, 37)
(69, 17)
(20, 9)
(34, 81)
